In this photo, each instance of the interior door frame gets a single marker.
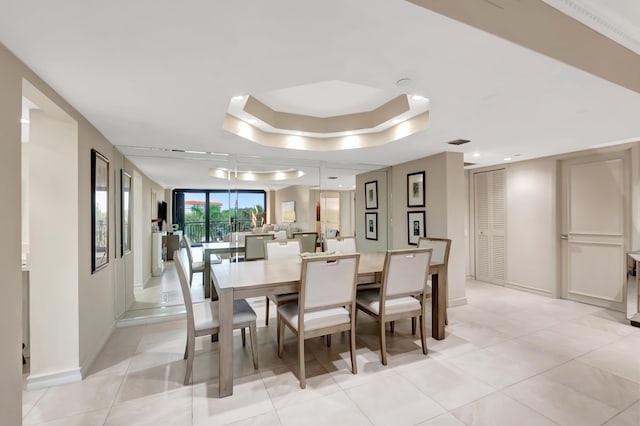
(563, 204)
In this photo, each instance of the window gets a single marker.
(209, 215)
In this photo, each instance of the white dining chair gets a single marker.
(326, 304)
(341, 245)
(307, 241)
(195, 265)
(254, 246)
(402, 292)
(202, 318)
(441, 248)
(278, 250)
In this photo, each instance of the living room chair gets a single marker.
(402, 292)
(326, 304)
(307, 241)
(202, 319)
(441, 248)
(195, 265)
(254, 246)
(275, 250)
(341, 245)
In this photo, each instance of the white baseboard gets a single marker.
(41, 381)
(529, 289)
(458, 302)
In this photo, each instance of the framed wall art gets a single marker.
(371, 224)
(99, 211)
(416, 227)
(415, 189)
(371, 194)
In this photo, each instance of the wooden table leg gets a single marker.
(206, 275)
(438, 305)
(225, 345)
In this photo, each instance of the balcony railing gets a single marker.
(218, 229)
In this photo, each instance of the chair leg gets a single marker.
(392, 326)
(303, 382)
(328, 340)
(244, 337)
(413, 326)
(186, 349)
(279, 327)
(253, 336)
(266, 318)
(446, 317)
(423, 335)
(191, 346)
(383, 343)
(280, 337)
(352, 347)
(190, 278)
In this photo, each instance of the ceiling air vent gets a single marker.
(459, 142)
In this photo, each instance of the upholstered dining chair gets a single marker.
(402, 292)
(341, 245)
(195, 265)
(307, 241)
(441, 248)
(202, 318)
(326, 304)
(254, 246)
(275, 250)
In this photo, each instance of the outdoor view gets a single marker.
(224, 213)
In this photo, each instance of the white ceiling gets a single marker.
(160, 74)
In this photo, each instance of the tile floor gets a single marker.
(509, 358)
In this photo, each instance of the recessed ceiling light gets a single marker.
(476, 154)
(403, 82)
(24, 121)
(418, 98)
(339, 186)
(238, 98)
(507, 159)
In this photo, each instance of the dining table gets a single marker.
(240, 280)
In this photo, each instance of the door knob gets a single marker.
(564, 237)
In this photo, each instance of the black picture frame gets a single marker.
(99, 211)
(415, 189)
(416, 227)
(371, 195)
(125, 212)
(371, 226)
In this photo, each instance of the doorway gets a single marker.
(595, 215)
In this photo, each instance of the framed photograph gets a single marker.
(371, 194)
(288, 211)
(99, 211)
(371, 224)
(125, 217)
(416, 227)
(415, 189)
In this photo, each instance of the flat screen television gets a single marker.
(162, 210)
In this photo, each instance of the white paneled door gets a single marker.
(490, 226)
(595, 206)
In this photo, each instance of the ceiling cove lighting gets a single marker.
(254, 176)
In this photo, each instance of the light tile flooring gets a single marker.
(509, 358)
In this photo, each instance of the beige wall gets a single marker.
(305, 206)
(10, 281)
(364, 245)
(445, 203)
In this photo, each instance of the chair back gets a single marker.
(287, 249)
(279, 235)
(254, 245)
(237, 238)
(341, 245)
(405, 271)
(328, 281)
(187, 244)
(180, 261)
(440, 246)
(307, 241)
